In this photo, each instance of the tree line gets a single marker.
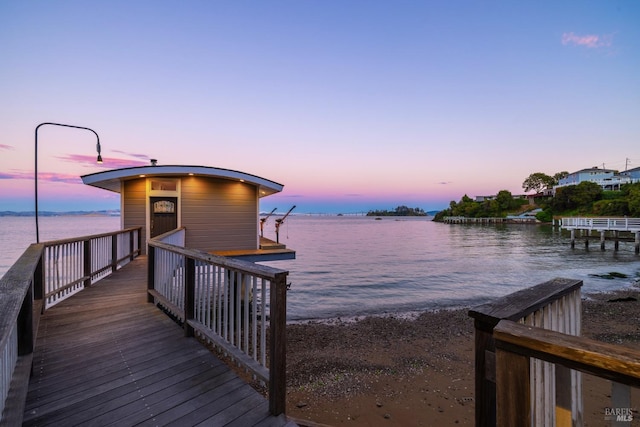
(586, 199)
(399, 211)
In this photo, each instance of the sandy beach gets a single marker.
(387, 371)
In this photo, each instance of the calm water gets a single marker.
(17, 233)
(351, 266)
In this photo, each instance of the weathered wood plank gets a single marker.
(106, 356)
(183, 375)
(524, 302)
(605, 360)
(513, 390)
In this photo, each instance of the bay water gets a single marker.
(351, 266)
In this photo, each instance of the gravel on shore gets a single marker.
(394, 371)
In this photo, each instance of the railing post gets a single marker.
(513, 400)
(189, 294)
(87, 262)
(277, 345)
(151, 272)
(38, 281)
(25, 323)
(114, 253)
(131, 233)
(485, 375)
(513, 307)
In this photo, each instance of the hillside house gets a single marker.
(608, 179)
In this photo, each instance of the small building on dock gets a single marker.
(219, 208)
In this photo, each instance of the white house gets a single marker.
(608, 179)
(633, 174)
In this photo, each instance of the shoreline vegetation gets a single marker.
(584, 199)
(420, 372)
(399, 211)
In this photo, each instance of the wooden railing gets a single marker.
(45, 274)
(620, 229)
(489, 220)
(20, 307)
(517, 345)
(71, 264)
(553, 305)
(234, 305)
(599, 224)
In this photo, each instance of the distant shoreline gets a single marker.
(69, 213)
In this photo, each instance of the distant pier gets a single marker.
(490, 220)
(616, 229)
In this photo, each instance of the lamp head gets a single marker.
(99, 159)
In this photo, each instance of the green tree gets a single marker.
(538, 181)
(560, 175)
(579, 196)
(633, 198)
(505, 200)
(616, 207)
(587, 193)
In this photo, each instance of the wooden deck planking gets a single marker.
(107, 357)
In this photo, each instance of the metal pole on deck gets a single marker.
(279, 223)
(99, 161)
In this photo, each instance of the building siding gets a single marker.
(134, 205)
(219, 214)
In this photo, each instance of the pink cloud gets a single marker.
(591, 41)
(5, 147)
(108, 162)
(43, 176)
(136, 155)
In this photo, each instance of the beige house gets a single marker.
(219, 208)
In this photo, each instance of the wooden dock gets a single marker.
(108, 357)
(489, 220)
(616, 229)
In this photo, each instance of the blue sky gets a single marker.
(352, 105)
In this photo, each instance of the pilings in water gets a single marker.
(488, 220)
(603, 237)
(620, 229)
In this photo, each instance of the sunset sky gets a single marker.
(352, 105)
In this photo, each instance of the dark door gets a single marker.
(164, 215)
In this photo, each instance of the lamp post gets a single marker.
(99, 160)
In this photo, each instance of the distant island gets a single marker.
(399, 211)
(69, 213)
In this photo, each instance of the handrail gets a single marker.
(18, 323)
(599, 223)
(517, 344)
(553, 304)
(173, 237)
(88, 237)
(42, 276)
(72, 264)
(233, 304)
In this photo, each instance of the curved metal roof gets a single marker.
(111, 180)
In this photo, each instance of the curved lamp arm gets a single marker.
(99, 160)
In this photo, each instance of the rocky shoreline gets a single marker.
(419, 372)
